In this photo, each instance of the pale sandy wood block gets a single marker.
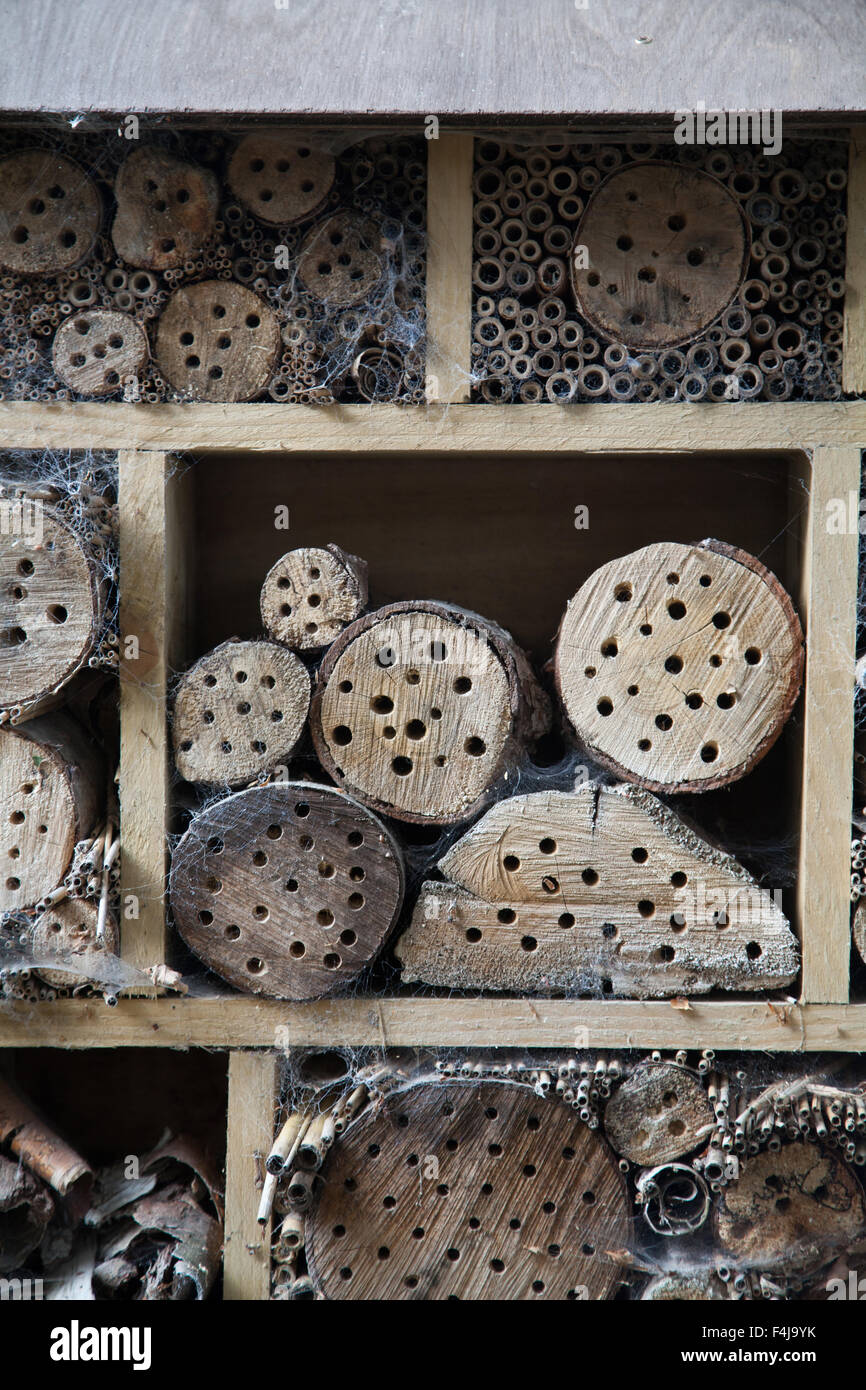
(449, 267)
(252, 1096)
(854, 359)
(829, 603)
(153, 542)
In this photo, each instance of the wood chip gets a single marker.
(667, 253)
(792, 1210)
(166, 209)
(217, 341)
(98, 350)
(678, 665)
(238, 712)
(341, 261)
(603, 889)
(310, 595)
(50, 213)
(477, 1191)
(279, 181)
(286, 890)
(419, 708)
(50, 611)
(656, 1114)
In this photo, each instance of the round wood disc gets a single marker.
(38, 827)
(792, 1210)
(166, 209)
(655, 1115)
(50, 212)
(239, 712)
(69, 929)
(217, 341)
(49, 609)
(286, 890)
(678, 665)
(280, 182)
(413, 712)
(340, 260)
(475, 1191)
(310, 595)
(667, 253)
(97, 350)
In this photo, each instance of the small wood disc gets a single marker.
(413, 711)
(310, 595)
(523, 1203)
(50, 212)
(217, 341)
(667, 253)
(69, 929)
(166, 209)
(791, 1210)
(239, 711)
(97, 350)
(286, 890)
(678, 665)
(39, 825)
(656, 1114)
(49, 608)
(340, 261)
(280, 182)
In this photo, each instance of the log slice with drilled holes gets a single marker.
(49, 213)
(166, 209)
(281, 182)
(217, 341)
(311, 594)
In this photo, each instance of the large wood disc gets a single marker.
(415, 708)
(286, 890)
(95, 351)
(523, 1202)
(49, 607)
(311, 594)
(657, 1114)
(217, 341)
(239, 711)
(340, 260)
(69, 930)
(667, 254)
(166, 209)
(49, 212)
(281, 182)
(678, 665)
(792, 1210)
(48, 791)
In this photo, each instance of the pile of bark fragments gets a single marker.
(140, 1229)
(317, 748)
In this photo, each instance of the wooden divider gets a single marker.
(250, 1130)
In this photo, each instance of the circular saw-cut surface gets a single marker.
(217, 341)
(311, 594)
(679, 664)
(49, 213)
(667, 253)
(96, 350)
(480, 1192)
(286, 890)
(280, 182)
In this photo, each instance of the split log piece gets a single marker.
(26, 1207)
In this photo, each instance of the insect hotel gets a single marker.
(431, 643)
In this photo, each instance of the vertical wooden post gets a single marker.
(829, 605)
(252, 1095)
(151, 613)
(449, 267)
(854, 358)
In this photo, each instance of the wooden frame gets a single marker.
(153, 503)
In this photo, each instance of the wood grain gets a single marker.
(166, 209)
(854, 349)
(217, 341)
(449, 267)
(97, 349)
(524, 1203)
(657, 1114)
(311, 594)
(49, 212)
(492, 57)
(252, 1096)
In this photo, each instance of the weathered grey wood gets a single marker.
(408, 57)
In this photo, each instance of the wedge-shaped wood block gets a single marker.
(678, 665)
(525, 1202)
(602, 889)
(286, 890)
